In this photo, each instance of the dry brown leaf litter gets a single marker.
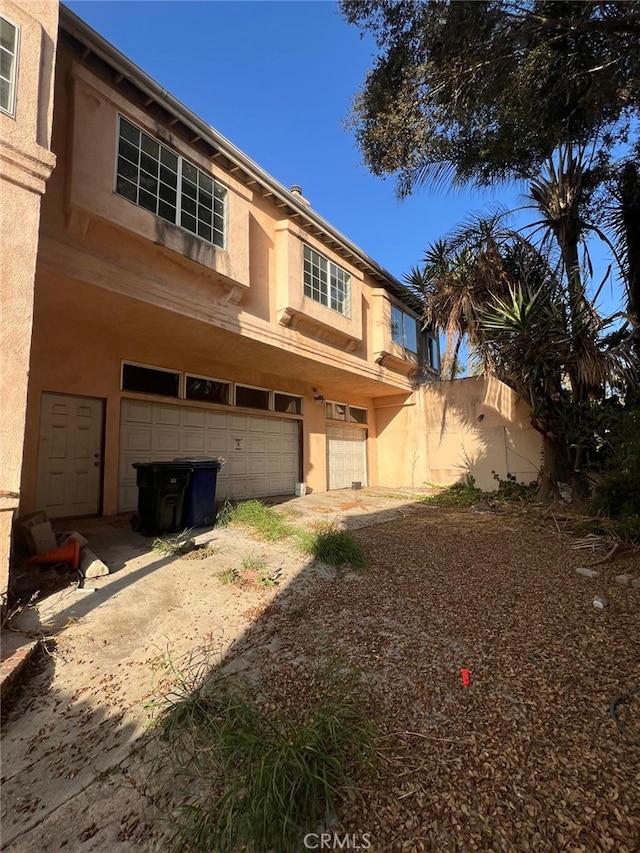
(526, 758)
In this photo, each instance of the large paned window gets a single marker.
(9, 39)
(404, 329)
(153, 176)
(326, 283)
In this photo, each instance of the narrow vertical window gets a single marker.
(9, 34)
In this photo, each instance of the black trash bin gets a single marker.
(161, 496)
(200, 496)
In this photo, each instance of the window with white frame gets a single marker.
(154, 177)
(326, 283)
(343, 412)
(9, 40)
(434, 352)
(404, 329)
(150, 380)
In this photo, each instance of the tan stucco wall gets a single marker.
(91, 330)
(25, 165)
(446, 430)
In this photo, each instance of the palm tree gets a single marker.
(533, 326)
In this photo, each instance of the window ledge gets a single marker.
(297, 321)
(406, 363)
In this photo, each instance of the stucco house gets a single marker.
(185, 303)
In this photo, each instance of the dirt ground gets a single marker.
(526, 757)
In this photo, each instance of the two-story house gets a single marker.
(186, 304)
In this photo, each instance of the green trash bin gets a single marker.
(161, 496)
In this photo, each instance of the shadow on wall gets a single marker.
(478, 426)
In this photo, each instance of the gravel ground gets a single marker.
(525, 758)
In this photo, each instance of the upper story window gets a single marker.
(9, 37)
(404, 329)
(155, 177)
(326, 283)
(434, 352)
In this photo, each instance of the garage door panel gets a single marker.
(138, 439)
(216, 420)
(194, 418)
(193, 442)
(167, 441)
(166, 415)
(261, 452)
(216, 444)
(137, 412)
(346, 456)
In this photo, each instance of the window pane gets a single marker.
(207, 390)
(168, 194)
(410, 333)
(7, 35)
(127, 189)
(5, 95)
(149, 164)
(149, 183)
(147, 380)
(189, 171)
(147, 200)
(188, 222)
(287, 403)
(128, 131)
(150, 146)
(6, 64)
(252, 398)
(189, 205)
(167, 211)
(357, 416)
(129, 150)
(396, 326)
(206, 183)
(169, 159)
(204, 231)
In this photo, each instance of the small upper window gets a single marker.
(252, 398)
(404, 329)
(9, 36)
(206, 390)
(434, 353)
(156, 178)
(326, 283)
(287, 404)
(150, 380)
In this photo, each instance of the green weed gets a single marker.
(235, 777)
(174, 546)
(262, 519)
(329, 544)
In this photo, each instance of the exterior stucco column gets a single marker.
(26, 162)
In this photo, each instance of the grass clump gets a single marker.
(174, 546)
(329, 544)
(237, 777)
(260, 518)
(229, 576)
(464, 493)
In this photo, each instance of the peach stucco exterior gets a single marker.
(25, 165)
(117, 285)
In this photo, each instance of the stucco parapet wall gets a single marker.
(27, 169)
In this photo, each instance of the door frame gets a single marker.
(103, 417)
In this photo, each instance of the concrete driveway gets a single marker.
(80, 709)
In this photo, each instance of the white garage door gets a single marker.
(261, 452)
(346, 456)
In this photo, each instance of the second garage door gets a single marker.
(346, 456)
(261, 452)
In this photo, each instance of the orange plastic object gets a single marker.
(67, 553)
(466, 676)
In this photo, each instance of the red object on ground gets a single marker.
(67, 553)
(466, 676)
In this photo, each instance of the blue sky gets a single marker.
(276, 77)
